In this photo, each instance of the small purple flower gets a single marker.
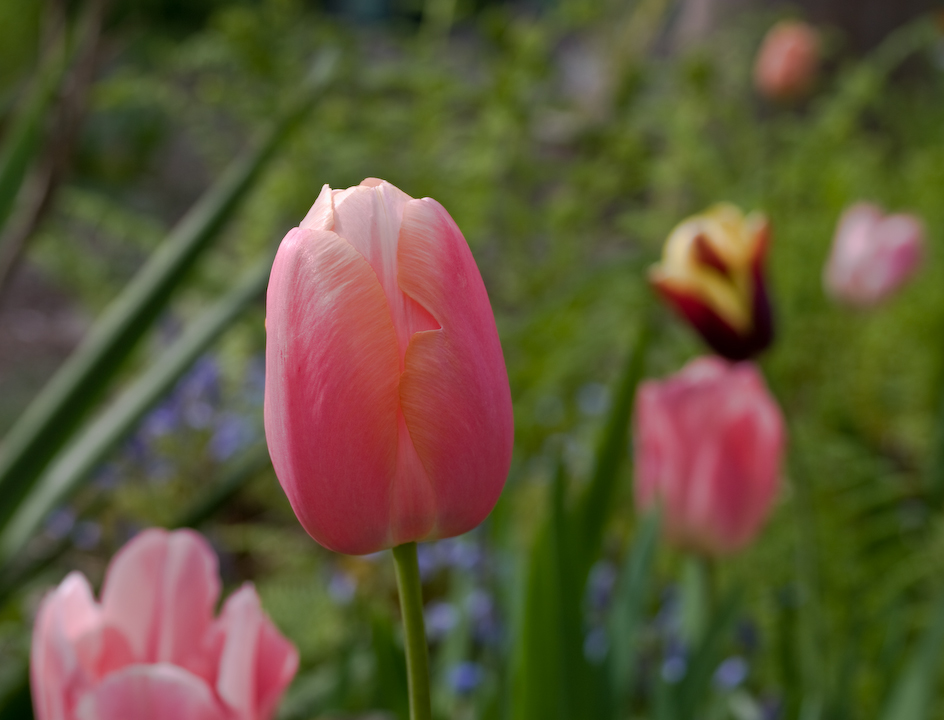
(86, 535)
(198, 414)
(486, 627)
(593, 399)
(674, 669)
(203, 381)
(669, 618)
(161, 421)
(464, 677)
(731, 673)
(675, 664)
(771, 708)
(748, 635)
(232, 434)
(255, 381)
(428, 559)
(342, 587)
(60, 522)
(441, 617)
(595, 645)
(600, 585)
(106, 477)
(459, 554)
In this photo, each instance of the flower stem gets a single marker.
(411, 607)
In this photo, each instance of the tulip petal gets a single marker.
(331, 399)
(321, 215)
(56, 670)
(368, 216)
(454, 389)
(150, 692)
(160, 593)
(276, 665)
(257, 663)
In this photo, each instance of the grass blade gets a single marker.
(626, 613)
(593, 507)
(913, 694)
(60, 406)
(552, 676)
(91, 447)
(24, 138)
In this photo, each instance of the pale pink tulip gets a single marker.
(152, 650)
(873, 254)
(387, 408)
(788, 61)
(708, 444)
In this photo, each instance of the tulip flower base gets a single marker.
(414, 629)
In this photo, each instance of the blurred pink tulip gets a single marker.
(873, 255)
(152, 649)
(387, 408)
(708, 443)
(788, 61)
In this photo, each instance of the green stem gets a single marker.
(411, 607)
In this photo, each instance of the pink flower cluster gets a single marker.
(152, 648)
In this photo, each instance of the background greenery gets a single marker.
(566, 139)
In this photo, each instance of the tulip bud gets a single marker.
(788, 61)
(712, 273)
(873, 255)
(708, 443)
(387, 408)
(152, 642)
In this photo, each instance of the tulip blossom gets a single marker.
(788, 61)
(387, 407)
(873, 254)
(708, 443)
(712, 273)
(152, 648)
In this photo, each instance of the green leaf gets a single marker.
(98, 438)
(913, 694)
(15, 700)
(24, 137)
(685, 700)
(552, 678)
(626, 612)
(58, 409)
(593, 507)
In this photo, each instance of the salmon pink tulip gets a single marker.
(873, 254)
(152, 649)
(708, 443)
(712, 273)
(387, 407)
(788, 61)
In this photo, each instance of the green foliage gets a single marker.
(565, 185)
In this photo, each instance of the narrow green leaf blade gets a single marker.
(56, 412)
(24, 138)
(90, 448)
(912, 696)
(594, 506)
(626, 613)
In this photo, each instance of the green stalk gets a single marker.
(411, 606)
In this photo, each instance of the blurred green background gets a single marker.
(566, 138)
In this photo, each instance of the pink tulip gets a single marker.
(708, 443)
(387, 407)
(873, 255)
(152, 649)
(788, 61)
